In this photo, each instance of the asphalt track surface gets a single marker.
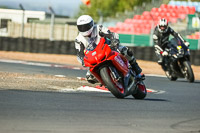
(173, 108)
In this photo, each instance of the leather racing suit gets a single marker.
(99, 31)
(161, 41)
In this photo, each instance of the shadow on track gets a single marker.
(146, 99)
(185, 81)
(157, 100)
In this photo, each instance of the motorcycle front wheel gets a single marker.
(115, 87)
(187, 71)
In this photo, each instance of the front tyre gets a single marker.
(187, 71)
(115, 87)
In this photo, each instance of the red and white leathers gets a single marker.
(82, 42)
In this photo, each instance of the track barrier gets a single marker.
(67, 47)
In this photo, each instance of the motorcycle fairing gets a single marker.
(92, 58)
(103, 53)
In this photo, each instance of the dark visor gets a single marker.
(85, 27)
(162, 27)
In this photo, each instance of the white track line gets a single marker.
(57, 66)
(60, 76)
(42, 64)
(156, 75)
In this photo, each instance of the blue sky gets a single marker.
(61, 7)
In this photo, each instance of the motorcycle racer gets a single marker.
(161, 39)
(90, 35)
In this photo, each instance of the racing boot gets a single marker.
(128, 53)
(90, 78)
(137, 69)
(160, 60)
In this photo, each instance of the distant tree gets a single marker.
(5, 7)
(108, 8)
(187, 0)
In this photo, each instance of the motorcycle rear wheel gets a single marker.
(189, 75)
(141, 91)
(113, 86)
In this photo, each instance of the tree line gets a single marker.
(108, 8)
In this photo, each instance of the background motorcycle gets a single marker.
(113, 71)
(177, 63)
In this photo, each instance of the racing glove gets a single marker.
(187, 44)
(165, 53)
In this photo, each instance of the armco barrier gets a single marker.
(36, 46)
(63, 47)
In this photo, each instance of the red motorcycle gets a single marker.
(113, 71)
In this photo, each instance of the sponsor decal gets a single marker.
(119, 60)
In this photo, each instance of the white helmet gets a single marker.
(85, 25)
(163, 25)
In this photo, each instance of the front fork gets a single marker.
(129, 87)
(115, 74)
(183, 69)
